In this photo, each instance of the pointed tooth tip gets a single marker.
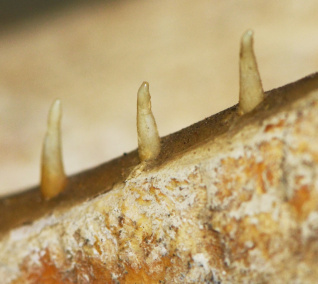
(55, 112)
(57, 101)
(144, 87)
(143, 96)
(247, 40)
(248, 34)
(145, 84)
(56, 104)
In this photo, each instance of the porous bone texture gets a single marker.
(240, 208)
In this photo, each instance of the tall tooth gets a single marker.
(251, 90)
(53, 178)
(148, 136)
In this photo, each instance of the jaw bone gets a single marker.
(148, 137)
(251, 90)
(53, 178)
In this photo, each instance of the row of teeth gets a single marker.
(53, 178)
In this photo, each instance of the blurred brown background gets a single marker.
(95, 54)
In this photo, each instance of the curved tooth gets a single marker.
(251, 90)
(53, 178)
(148, 136)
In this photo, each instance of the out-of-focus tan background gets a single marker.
(94, 56)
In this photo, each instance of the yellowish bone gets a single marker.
(148, 136)
(251, 90)
(53, 178)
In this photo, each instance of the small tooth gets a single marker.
(251, 90)
(148, 137)
(53, 178)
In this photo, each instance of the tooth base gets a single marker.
(148, 138)
(52, 185)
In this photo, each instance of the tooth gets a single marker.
(148, 137)
(251, 90)
(53, 178)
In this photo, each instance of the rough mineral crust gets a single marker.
(239, 208)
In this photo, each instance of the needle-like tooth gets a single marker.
(53, 178)
(148, 136)
(251, 90)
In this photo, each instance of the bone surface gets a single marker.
(52, 169)
(218, 206)
(251, 90)
(148, 137)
